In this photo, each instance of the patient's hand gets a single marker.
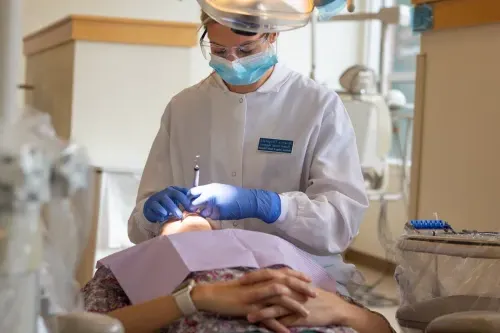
(191, 222)
(326, 309)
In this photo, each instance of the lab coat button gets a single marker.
(235, 224)
(234, 174)
(241, 100)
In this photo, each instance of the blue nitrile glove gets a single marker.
(164, 204)
(227, 202)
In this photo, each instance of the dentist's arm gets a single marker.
(157, 198)
(325, 217)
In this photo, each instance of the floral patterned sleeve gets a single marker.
(103, 293)
(354, 302)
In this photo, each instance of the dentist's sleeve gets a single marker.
(326, 217)
(156, 176)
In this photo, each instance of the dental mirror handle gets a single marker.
(350, 6)
(196, 181)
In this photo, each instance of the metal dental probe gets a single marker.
(196, 180)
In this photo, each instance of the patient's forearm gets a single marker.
(365, 321)
(148, 317)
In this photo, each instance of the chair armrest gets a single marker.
(87, 322)
(419, 315)
(466, 322)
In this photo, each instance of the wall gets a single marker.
(339, 46)
(38, 14)
(458, 172)
(119, 95)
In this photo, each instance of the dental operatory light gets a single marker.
(266, 16)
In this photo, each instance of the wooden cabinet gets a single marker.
(456, 154)
(97, 76)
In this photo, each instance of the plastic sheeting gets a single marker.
(446, 272)
(44, 222)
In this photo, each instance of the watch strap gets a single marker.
(184, 300)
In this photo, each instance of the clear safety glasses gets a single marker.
(237, 52)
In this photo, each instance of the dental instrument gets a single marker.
(350, 6)
(196, 180)
(196, 177)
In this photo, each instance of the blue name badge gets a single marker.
(275, 146)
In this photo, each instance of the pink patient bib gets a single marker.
(155, 268)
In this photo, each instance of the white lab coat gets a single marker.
(320, 183)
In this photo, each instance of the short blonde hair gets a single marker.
(205, 19)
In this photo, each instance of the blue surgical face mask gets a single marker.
(244, 71)
(329, 8)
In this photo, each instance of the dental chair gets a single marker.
(371, 119)
(85, 322)
(449, 282)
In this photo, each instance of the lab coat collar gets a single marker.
(279, 76)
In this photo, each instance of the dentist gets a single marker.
(277, 151)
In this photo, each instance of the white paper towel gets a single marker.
(118, 194)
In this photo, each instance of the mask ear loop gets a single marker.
(272, 45)
(276, 47)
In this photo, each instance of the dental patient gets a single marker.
(234, 287)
